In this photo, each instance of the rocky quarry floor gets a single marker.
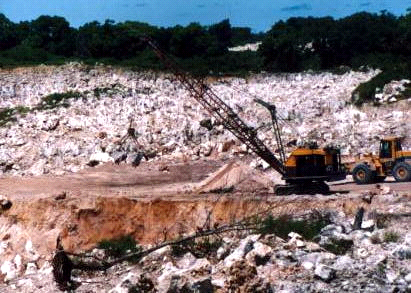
(70, 167)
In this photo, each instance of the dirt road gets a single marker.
(165, 179)
(148, 179)
(153, 202)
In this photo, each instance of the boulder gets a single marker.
(295, 240)
(9, 270)
(187, 272)
(31, 268)
(134, 158)
(126, 284)
(100, 157)
(334, 240)
(245, 246)
(38, 168)
(5, 204)
(324, 272)
(119, 157)
(312, 260)
(344, 262)
(260, 254)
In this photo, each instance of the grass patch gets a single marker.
(366, 91)
(7, 115)
(47, 103)
(56, 100)
(119, 247)
(100, 91)
(282, 226)
(391, 236)
(200, 248)
(10, 114)
(22, 110)
(115, 88)
(339, 246)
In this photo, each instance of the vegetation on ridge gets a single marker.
(378, 40)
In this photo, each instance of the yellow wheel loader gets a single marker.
(391, 161)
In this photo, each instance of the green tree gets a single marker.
(52, 34)
(221, 34)
(281, 49)
(189, 41)
(8, 36)
(405, 31)
(367, 33)
(120, 41)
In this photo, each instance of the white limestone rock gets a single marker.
(324, 272)
(245, 246)
(101, 157)
(9, 270)
(260, 254)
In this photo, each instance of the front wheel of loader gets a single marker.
(362, 174)
(402, 172)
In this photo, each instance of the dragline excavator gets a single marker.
(305, 171)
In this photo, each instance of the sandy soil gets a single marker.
(154, 202)
(148, 180)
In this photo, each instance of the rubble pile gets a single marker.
(374, 258)
(391, 92)
(65, 118)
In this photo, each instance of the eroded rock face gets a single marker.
(253, 263)
(87, 126)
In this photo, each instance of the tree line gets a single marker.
(299, 43)
(51, 39)
(363, 39)
(324, 43)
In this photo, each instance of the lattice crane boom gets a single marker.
(219, 110)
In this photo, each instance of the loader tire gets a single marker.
(402, 172)
(362, 174)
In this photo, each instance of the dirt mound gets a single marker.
(230, 176)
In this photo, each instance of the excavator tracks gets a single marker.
(304, 188)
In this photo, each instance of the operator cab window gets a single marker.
(398, 145)
(385, 149)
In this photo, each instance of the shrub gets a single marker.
(23, 54)
(375, 239)
(201, 248)
(282, 226)
(338, 246)
(144, 285)
(365, 92)
(382, 221)
(9, 114)
(6, 115)
(391, 236)
(119, 246)
(57, 100)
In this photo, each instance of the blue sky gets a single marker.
(260, 15)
